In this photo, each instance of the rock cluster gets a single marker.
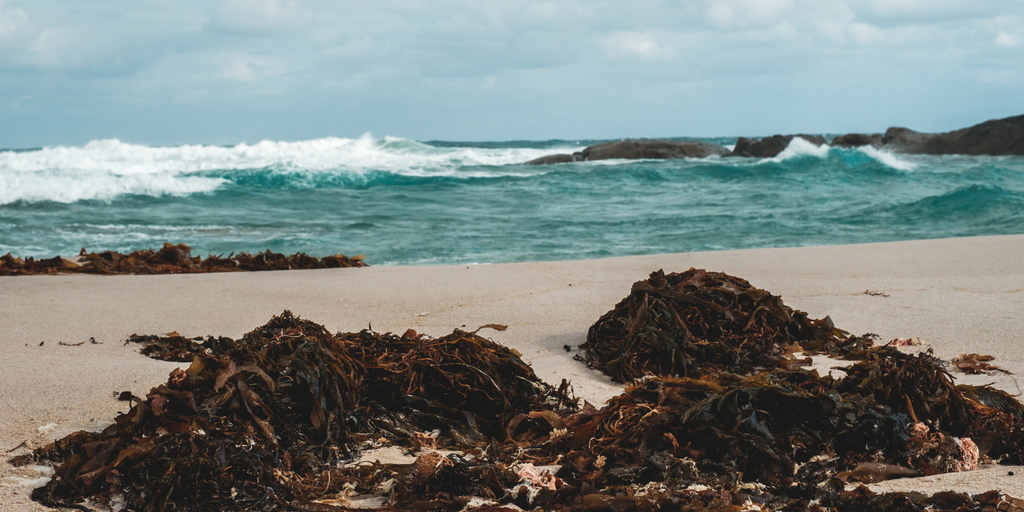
(995, 137)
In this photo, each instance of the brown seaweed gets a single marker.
(975, 364)
(699, 322)
(267, 422)
(251, 423)
(171, 259)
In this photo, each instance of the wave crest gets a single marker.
(68, 188)
(364, 153)
(104, 169)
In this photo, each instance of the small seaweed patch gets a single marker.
(170, 259)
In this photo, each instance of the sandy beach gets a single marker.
(957, 295)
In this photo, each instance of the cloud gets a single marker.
(14, 25)
(18, 35)
(744, 14)
(634, 45)
(391, 58)
(249, 68)
(258, 17)
(1004, 39)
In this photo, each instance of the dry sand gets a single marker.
(958, 295)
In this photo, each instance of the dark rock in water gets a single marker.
(769, 147)
(995, 137)
(635, 149)
(648, 148)
(905, 140)
(555, 159)
(856, 140)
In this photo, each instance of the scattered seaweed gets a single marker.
(975, 364)
(273, 420)
(171, 259)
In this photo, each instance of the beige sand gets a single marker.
(958, 295)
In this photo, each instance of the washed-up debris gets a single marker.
(874, 293)
(266, 422)
(171, 259)
(975, 364)
(905, 342)
(699, 322)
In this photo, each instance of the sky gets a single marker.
(164, 72)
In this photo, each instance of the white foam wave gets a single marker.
(364, 153)
(886, 158)
(799, 147)
(105, 169)
(68, 187)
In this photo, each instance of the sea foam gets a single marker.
(389, 154)
(887, 158)
(105, 169)
(800, 147)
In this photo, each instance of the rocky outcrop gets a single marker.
(652, 148)
(556, 159)
(856, 140)
(995, 137)
(769, 147)
(905, 140)
(635, 149)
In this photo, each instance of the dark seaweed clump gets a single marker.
(266, 422)
(170, 259)
(698, 322)
(263, 422)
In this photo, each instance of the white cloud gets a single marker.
(865, 34)
(14, 24)
(1004, 39)
(762, 54)
(745, 14)
(249, 68)
(17, 33)
(634, 45)
(355, 47)
(257, 16)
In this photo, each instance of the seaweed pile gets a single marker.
(698, 322)
(264, 421)
(271, 421)
(171, 259)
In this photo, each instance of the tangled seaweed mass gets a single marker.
(722, 417)
(171, 259)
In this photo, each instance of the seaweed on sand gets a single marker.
(170, 259)
(256, 423)
(266, 422)
(698, 322)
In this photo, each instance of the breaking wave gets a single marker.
(105, 169)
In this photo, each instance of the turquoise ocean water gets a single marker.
(404, 202)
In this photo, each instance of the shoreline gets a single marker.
(958, 295)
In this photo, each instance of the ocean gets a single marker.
(403, 202)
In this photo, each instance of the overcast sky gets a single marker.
(167, 72)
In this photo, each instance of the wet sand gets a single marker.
(957, 295)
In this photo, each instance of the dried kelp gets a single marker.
(266, 422)
(171, 259)
(216, 435)
(252, 421)
(698, 322)
(975, 364)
